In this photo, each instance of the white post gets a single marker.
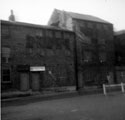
(104, 89)
(122, 87)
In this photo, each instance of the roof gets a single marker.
(32, 25)
(85, 17)
(119, 32)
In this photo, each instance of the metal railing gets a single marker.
(113, 85)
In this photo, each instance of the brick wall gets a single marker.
(95, 50)
(39, 46)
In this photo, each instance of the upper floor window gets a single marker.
(29, 41)
(89, 25)
(105, 27)
(58, 34)
(102, 56)
(49, 33)
(101, 41)
(87, 56)
(5, 54)
(4, 30)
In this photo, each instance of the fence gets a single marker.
(113, 85)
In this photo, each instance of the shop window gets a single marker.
(6, 75)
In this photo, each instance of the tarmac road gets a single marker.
(89, 107)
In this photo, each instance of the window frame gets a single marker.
(2, 75)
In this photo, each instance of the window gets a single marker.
(105, 27)
(101, 41)
(39, 33)
(6, 75)
(29, 41)
(49, 34)
(66, 36)
(67, 44)
(5, 31)
(89, 25)
(102, 56)
(99, 26)
(87, 56)
(58, 34)
(5, 54)
(67, 41)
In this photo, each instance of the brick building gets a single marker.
(36, 57)
(119, 38)
(95, 48)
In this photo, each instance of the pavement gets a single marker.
(13, 98)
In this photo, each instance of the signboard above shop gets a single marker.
(37, 68)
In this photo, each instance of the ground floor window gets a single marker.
(6, 75)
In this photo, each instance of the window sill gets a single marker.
(5, 82)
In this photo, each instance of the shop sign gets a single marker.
(37, 68)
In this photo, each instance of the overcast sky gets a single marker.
(39, 11)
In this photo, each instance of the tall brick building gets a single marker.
(36, 57)
(95, 47)
(119, 39)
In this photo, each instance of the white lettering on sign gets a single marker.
(37, 68)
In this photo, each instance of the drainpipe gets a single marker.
(75, 59)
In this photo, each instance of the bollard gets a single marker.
(104, 89)
(122, 87)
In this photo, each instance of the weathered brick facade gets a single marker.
(119, 38)
(95, 51)
(95, 47)
(33, 45)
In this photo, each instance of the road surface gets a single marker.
(89, 107)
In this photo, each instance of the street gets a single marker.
(88, 107)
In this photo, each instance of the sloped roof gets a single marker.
(84, 17)
(32, 25)
(119, 32)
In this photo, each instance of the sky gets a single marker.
(39, 11)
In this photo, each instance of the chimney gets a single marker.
(12, 17)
